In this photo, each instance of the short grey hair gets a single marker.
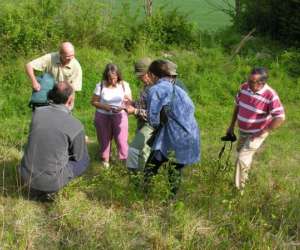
(262, 71)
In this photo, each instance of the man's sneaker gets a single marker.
(105, 164)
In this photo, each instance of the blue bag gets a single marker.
(39, 98)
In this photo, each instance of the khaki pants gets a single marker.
(139, 150)
(246, 148)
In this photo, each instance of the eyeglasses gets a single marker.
(254, 81)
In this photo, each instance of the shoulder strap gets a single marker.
(123, 86)
(101, 88)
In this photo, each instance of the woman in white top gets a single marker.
(111, 120)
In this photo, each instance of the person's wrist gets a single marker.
(108, 108)
(230, 129)
(36, 86)
(135, 111)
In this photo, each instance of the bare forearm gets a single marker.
(103, 106)
(276, 123)
(234, 117)
(30, 73)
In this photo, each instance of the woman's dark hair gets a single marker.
(60, 93)
(111, 68)
(159, 68)
(263, 72)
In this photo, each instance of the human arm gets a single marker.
(276, 110)
(76, 78)
(30, 72)
(155, 102)
(97, 104)
(139, 107)
(78, 147)
(39, 64)
(230, 129)
(127, 93)
(277, 113)
(278, 118)
(275, 123)
(139, 112)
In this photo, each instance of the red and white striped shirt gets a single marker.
(256, 110)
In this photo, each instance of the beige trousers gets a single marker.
(246, 148)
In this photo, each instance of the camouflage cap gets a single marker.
(171, 68)
(141, 66)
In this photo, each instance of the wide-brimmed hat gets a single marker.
(141, 66)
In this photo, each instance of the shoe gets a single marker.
(105, 164)
(37, 195)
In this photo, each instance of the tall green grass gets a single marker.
(105, 209)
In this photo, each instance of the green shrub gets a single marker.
(27, 26)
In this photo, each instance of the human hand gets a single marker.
(130, 109)
(260, 133)
(127, 101)
(230, 130)
(36, 86)
(116, 109)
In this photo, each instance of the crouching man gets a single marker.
(56, 151)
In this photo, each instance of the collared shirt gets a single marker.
(141, 106)
(51, 63)
(141, 103)
(55, 138)
(257, 110)
(180, 134)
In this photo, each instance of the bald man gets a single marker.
(61, 65)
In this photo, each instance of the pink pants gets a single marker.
(110, 126)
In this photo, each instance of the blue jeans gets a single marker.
(79, 167)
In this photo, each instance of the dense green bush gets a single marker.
(30, 26)
(171, 28)
(27, 26)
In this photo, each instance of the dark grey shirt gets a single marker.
(55, 138)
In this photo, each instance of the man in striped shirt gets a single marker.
(258, 111)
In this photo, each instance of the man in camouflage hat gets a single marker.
(139, 151)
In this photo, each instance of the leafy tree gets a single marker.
(275, 18)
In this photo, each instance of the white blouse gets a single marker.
(112, 96)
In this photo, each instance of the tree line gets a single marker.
(280, 20)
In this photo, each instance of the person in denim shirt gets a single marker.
(171, 111)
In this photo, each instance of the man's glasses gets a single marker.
(254, 81)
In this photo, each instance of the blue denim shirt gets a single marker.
(180, 134)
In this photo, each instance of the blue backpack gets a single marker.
(39, 98)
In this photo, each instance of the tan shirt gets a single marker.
(50, 63)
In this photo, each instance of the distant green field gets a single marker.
(203, 12)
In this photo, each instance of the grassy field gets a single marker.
(105, 209)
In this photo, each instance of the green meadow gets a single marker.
(207, 14)
(106, 208)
